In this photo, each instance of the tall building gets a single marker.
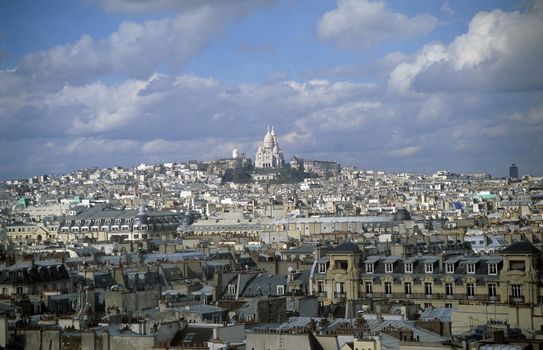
(269, 155)
(513, 171)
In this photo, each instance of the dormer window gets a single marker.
(428, 268)
(389, 267)
(280, 290)
(369, 267)
(232, 289)
(449, 268)
(470, 268)
(322, 267)
(408, 267)
(492, 269)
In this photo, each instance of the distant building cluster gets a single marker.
(183, 256)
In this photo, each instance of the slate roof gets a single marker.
(192, 335)
(103, 280)
(521, 247)
(347, 247)
(34, 274)
(263, 285)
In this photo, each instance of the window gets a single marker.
(449, 268)
(407, 287)
(428, 288)
(448, 289)
(320, 286)
(448, 306)
(470, 289)
(339, 287)
(231, 289)
(428, 268)
(516, 265)
(280, 290)
(492, 269)
(388, 288)
(492, 290)
(341, 264)
(322, 267)
(470, 268)
(369, 288)
(369, 267)
(516, 291)
(388, 267)
(408, 268)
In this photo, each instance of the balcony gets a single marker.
(516, 299)
(340, 295)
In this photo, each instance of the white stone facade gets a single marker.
(269, 155)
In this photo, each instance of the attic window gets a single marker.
(428, 268)
(408, 268)
(492, 269)
(341, 264)
(369, 267)
(470, 268)
(389, 267)
(231, 289)
(449, 268)
(322, 267)
(516, 265)
(280, 290)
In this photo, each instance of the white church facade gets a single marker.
(269, 155)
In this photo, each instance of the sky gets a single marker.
(407, 86)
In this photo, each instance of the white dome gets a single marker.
(268, 141)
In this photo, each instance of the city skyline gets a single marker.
(392, 86)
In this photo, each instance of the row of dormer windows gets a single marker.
(429, 268)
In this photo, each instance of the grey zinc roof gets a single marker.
(392, 259)
(429, 259)
(374, 258)
(442, 314)
(305, 249)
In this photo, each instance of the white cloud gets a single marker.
(500, 51)
(362, 24)
(135, 49)
(401, 78)
(405, 151)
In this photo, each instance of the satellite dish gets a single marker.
(290, 269)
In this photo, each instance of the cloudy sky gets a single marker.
(402, 86)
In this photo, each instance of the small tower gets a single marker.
(513, 171)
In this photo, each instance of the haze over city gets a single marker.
(408, 86)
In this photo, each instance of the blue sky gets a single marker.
(401, 86)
